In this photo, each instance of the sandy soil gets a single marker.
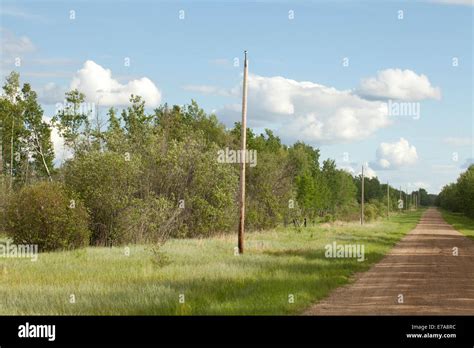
(422, 268)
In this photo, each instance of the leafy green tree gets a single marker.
(38, 134)
(449, 198)
(465, 185)
(26, 150)
(269, 183)
(12, 129)
(341, 188)
(73, 122)
(311, 190)
(136, 122)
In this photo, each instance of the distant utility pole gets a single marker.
(362, 199)
(243, 155)
(406, 198)
(388, 201)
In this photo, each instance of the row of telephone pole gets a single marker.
(415, 196)
(415, 199)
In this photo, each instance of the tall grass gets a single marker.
(279, 265)
(460, 222)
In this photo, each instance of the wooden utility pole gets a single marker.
(1, 151)
(243, 157)
(362, 199)
(1, 158)
(11, 154)
(388, 201)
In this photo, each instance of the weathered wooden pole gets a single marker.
(1, 151)
(243, 158)
(362, 199)
(11, 154)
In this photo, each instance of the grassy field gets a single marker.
(279, 265)
(460, 222)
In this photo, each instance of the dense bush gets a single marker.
(106, 182)
(187, 172)
(49, 216)
(370, 211)
(349, 212)
(150, 220)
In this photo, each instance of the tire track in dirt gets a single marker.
(422, 268)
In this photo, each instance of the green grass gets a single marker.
(276, 264)
(460, 222)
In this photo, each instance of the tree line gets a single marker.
(145, 176)
(459, 196)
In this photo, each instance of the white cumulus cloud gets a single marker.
(369, 173)
(396, 155)
(398, 84)
(308, 111)
(97, 82)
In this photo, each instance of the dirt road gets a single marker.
(421, 268)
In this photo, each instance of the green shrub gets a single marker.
(328, 218)
(349, 211)
(152, 220)
(189, 174)
(47, 215)
(370, 211)
(106, 182)
(380, 206)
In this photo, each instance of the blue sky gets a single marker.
(409, 60)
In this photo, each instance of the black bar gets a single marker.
(261, 330)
